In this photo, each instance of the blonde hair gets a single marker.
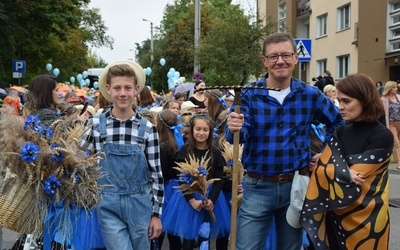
(329, 88)
(388, 86)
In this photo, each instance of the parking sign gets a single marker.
(19, 68)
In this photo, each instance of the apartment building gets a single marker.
(348, 36)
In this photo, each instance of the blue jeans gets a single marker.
(263, 200)
(124, 220)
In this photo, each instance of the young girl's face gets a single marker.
(181, 100)
(201, 132)
(175, 107)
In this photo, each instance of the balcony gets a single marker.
(303, 7)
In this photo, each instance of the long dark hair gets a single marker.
(165, 120)
(40, 93)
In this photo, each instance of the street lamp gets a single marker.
(151, 41)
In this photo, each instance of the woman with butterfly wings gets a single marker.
(347, 201)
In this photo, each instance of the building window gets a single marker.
(394, 26)
(396, 6)
(343, 15)
(282, 18)
(343, 66)
(321, 66)
(322, 25)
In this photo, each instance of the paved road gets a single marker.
(10, 237)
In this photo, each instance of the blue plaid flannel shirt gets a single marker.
(276, 137)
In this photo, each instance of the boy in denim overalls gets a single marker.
(132, 182)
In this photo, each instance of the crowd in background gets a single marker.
(350, 118)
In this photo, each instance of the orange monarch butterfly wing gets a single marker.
(330, 187)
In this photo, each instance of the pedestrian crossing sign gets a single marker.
(303, 49)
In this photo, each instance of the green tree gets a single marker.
(55, 32)
(230, 46)
(231, 51)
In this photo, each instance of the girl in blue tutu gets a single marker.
(185, 214)
(170, 141)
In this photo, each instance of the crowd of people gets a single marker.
(146, 197)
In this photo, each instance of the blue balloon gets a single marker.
(96, 85)
(49, 67)
(172, 70)
(87, 81)
(170, 75)
(177, 74)
(56, 72)
(82, 83)
(148, 71)
(162, 62)
(85, 74)
(72, 79)
(79, 77)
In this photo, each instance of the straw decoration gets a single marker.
(48, 163)
(193, 177)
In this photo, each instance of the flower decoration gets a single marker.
(193, 170)
(29, 152)
(202, 171)
(198, 77)
(187, 178)
(32, 122)
(51, 185)
(46, 160)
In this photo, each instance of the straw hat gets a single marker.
(90, 109)
(186, 106)
(139, 72)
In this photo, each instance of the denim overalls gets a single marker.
(125, 211)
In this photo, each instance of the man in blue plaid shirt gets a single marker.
(132, 185)
(274, 127)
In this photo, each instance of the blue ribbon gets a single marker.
(319, 131)
(223, 102)
(178, 134)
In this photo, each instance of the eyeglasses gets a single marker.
(274, 57)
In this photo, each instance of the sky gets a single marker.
(124, 20)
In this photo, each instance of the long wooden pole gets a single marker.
(235, 167)
(235, 173)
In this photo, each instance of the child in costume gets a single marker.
(185, 214)
(133, 187)
(170, 141)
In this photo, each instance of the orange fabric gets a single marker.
(359, 215)
(14, 102)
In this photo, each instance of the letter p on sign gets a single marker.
(19, 66)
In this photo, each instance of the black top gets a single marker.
(197, 102)
(47, 115)
(167, 157)
(358, 137)
(216, 170)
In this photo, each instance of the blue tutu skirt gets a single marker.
(75, 226)
(170, 187)
(180, 219)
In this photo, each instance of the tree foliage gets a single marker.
(56, 32)
(230, 45)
